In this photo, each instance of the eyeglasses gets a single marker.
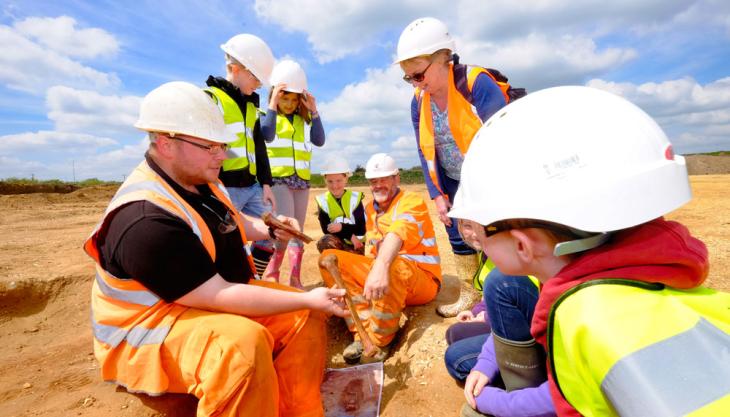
(505, 225)
(227, 224)
(212, 149)
(418, 76)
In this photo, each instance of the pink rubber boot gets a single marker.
(272, 269)
(295, 261)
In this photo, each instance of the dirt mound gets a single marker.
(15, 188)
(708, 164)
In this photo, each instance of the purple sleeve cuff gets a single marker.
(487, 361)
(478, 308)
(526, 402)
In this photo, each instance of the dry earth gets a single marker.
(46, 362)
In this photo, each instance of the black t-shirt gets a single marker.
(158, 249)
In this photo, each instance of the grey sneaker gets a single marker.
(353, 352)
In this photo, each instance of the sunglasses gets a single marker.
(212, 149)
(227, 224)
(418, 76)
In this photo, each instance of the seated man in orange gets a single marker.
(401, 265)
(174, 305)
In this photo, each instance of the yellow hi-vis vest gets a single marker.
(340, 213)
(464, 122)
(130, 322)
(629, 348)
(408, 217)
(291, 151)
(243, 151)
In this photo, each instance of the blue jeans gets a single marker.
(510, 304)
(458, 246)
(249, 200)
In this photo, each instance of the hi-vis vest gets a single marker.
(243, 151)
(290, 152)
(485, 267)
(464, 121)
(340, 213)
(419, 244)
(629, 348)
(129, 321)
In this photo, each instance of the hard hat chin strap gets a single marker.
(580, 245)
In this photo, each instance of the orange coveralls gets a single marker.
(415, 274)
(234, 365)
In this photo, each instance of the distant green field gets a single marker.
(407, 176)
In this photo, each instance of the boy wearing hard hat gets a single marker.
(340, 211)
(246, 172)
(627, 327)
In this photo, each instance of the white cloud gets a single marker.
(49, 142)
(695, 117)
(60, 35)
(89, 111)
(538, 61)
(11, 167)
(381, 99)
(31, 67)
(337, 28)
(112, 165)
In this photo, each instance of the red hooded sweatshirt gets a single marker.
(658, 251)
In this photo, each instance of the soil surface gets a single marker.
(46, 363)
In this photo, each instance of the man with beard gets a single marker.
(401, 265)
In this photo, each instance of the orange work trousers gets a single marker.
(237, 366)
(408, 285)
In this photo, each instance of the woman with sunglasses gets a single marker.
(445, 123)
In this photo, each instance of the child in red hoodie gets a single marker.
(584, 180)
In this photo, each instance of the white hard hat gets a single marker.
(575, 156)
(181, 108)
(380, 165)
(337, 166)
(253, 53)
(423, 36)
(290, 73)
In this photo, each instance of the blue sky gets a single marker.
(72, 73)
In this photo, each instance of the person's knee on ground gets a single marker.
(466, 267)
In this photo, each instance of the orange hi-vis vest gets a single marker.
(464, 121)
(129, 321)
(408, 217)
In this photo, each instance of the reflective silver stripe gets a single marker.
(406, 216)
(424, 259)
(383, 330)
(240, 152)
(429, 243)
(286, 162)
(235, 128)
(140, 297)
(135, 337)
(159, 189)
(672, 377)
(287, 143)
(322, 202)
(381, 315)
(249, 132)
(430, 165)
